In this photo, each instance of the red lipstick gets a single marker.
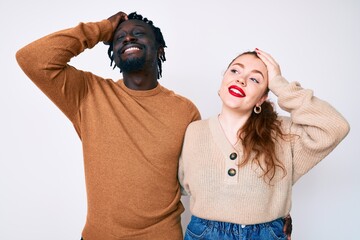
(236, 91)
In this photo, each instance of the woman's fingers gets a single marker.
(272, 66)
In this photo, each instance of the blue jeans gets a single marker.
(199, 228)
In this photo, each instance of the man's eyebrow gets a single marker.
(135, 25)
(139, 25)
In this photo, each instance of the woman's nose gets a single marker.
(241, 81)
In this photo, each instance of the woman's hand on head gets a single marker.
(271, 65)
(115, 20)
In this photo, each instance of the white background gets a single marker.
(42, 191)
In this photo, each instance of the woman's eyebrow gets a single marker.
(239, 64)
(257, 71)
(254, 71)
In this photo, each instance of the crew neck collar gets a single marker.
(140, 93)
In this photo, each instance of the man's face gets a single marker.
(134, 46)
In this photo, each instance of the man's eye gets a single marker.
(120, 36)
(138, 33)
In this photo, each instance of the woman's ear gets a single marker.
(262, 99)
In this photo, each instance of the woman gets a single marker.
(239, 167)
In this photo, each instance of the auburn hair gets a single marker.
(259, 135)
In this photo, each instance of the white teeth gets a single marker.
(131, 49)
(236, 91)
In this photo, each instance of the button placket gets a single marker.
(231, 168)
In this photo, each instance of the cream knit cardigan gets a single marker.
(246, 198)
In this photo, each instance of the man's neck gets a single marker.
(140, 81)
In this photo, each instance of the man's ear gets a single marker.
(161, 53)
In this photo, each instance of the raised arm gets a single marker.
(45, 61)
(318, 127)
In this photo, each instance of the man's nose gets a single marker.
(129, 38)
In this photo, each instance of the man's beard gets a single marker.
(132, 64)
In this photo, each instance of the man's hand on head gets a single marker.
(115, 20)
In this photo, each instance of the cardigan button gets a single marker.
(233, 156)
(232, 172)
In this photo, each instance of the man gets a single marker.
(131, 129)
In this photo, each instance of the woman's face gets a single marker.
(244, 84)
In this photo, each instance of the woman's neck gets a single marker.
(231, 123)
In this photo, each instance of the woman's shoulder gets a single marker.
(198, 124)
(203, 127)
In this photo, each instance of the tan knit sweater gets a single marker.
(246, 198)
(131, 139)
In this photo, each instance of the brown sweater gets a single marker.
(131, 139)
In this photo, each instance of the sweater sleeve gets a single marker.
(45, 62)
(317, 127)
(183, 187)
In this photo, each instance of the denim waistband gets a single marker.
(234, 227)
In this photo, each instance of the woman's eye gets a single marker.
(254, 80)
(234, 71)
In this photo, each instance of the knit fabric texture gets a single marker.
(131, 139)
(220, 190)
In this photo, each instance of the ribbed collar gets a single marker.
(140, 93)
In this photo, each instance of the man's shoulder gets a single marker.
(172, 93)
(176, 96)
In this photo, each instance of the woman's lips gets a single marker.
(236, 91)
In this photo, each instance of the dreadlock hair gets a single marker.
(158, 37)
(258, 137)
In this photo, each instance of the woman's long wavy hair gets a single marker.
(258, 137)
